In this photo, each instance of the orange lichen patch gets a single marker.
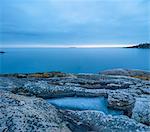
(142, 77)
(59, 74)
(48, 75)
(39, 75)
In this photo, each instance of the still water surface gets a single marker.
(74, 60)
(82, 103)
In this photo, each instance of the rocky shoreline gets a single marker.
(141, 46)
(23, 106)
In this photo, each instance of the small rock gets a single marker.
(122, 101)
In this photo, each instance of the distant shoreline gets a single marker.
(43, 46)
(66, 46)
(140, 46)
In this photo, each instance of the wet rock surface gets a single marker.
(123, 91)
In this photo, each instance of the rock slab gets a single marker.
(141, 111)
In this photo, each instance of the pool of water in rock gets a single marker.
(84, 103)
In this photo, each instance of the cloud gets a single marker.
(76, 20)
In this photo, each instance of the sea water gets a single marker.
(74, 60)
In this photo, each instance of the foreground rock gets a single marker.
(96, 85)
(141, 111)
(120, 87)
(99, 122)
(20, 114)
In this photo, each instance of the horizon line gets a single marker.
(69, 46)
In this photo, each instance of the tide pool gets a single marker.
(83, 103)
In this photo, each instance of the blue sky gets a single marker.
(74, 21)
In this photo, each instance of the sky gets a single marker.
(79, 22)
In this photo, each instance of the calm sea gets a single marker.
(74, 60)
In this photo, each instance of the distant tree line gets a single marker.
(142, 45)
